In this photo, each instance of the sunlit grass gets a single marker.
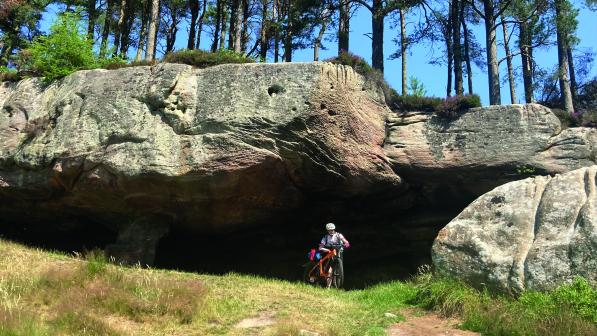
(53, 294)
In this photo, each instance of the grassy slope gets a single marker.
(47, 294)
(50, 294)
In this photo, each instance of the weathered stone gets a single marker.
(212, 149)
(486, 147)
(532, 234)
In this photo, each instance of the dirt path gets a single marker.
(419, 323)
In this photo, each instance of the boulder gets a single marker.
(534, 234)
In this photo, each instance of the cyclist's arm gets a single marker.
(322, 245)
(344, 241)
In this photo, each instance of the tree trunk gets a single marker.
(563, 60)
(450, 49)
(172, 31)
(455, 23)
(238, 26)
(317, 44)
(194, 7)
(467, 55)
(511, 81)
(120, 28)
(573, 84)
(377, 23)
(276, 15)
(343, 26)
(288, 33)
(527, 65)
(200, 28)
(403, 51)
(151, 34)
(125, 35)
(263, 34)
(232, 31)
(224, 27)
(244, 38)
(143, 32)
(91, 11)
(106, 30)
(264, 39)
(214, 45)
(493, 71)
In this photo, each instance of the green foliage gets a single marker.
(416, 87)
(64, 51)
(96, 263)
(204, 59)
(580, 296)
(568, 310)
(112, 63)
(119, 65)
(9, 75)
(525, 170)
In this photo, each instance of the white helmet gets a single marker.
(330, 226)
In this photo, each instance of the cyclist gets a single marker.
(332, 238)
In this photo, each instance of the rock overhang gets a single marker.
(222, 147)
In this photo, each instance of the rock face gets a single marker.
(486, 147)
(532, 234)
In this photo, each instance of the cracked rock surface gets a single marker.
(534, 234)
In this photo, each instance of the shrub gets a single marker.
(414, 103)
(568, 310)
(453, 106)
(111, 63)
(119, 65)
(580, 296)
(9, 75)
(64, 51)
(356, 62)
(204, 59)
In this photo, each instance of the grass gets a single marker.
(53, 294)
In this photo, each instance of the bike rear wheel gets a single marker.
(311, 273)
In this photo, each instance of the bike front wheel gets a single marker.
(338, 274)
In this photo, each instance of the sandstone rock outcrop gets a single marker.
(486, 147)
(532, 234)
(216, 148)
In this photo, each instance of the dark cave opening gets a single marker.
(276, 251)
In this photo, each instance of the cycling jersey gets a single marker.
(334, 239)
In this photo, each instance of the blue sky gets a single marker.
(433, 76)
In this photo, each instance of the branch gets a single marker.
(472, 3)
(501, 11)
(366, 5)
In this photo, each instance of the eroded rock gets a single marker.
(534, 234)
(213, 149)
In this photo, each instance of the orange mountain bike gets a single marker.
(328, 271)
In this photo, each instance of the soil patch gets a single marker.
(420, 323)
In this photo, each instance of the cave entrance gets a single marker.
(384, 248)
(281, 251)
